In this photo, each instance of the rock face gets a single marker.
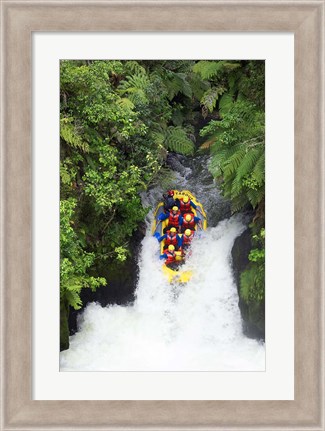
(64, 327)
(253, 314)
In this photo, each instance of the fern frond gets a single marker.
(208, 69)
(225, 103)
(248, 163)
(177, 140)
(255, 196)
(178, 117)
(135, 87)
(70, 135)
(238, 202)
(177, 83)
(73, 298)
(199, 86)
(133, 67)
(210, 97)
(125, 103)
(234, 161)
(158, 138)
(230, 66)
(259, 170)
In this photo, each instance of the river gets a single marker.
(196, 327)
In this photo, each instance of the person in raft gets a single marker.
(186, 205)
(169, 201)
(189, 221)
(186, 239)
(173, 218)
(173, 257)
(171, 237)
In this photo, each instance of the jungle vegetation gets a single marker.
(118, 120)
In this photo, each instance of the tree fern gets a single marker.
(125, 103)
(135, 86)
(232, 164)
(174, 139)
(210, 97)
(208, 69)
(177, 140)
(198, 85)
(238, 154)
(225, 103)
(177, 83)
(133, 67)
(69, 134)
(249, 161)
(255, 196)
(258, 172)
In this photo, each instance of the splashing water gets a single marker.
(196, 327)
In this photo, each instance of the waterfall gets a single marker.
(196, 327)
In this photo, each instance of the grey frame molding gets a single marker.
(19, 19)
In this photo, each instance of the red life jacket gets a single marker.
(189, 224)
(171, 239)
(173, 219)
(188, 239)
(170, 257)
(184, 207)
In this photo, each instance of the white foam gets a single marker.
(196, 327)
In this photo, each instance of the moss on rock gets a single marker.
(253, 313)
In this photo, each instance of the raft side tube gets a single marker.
(177, 275)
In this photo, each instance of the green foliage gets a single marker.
(235, 137)
(135, 87)
(210, 98)
(238, 154)
(225, 103)
(208, 69)
(70, 134)
(74, 260)
(177, 83)
(118, 120)
(252, 280)
(176, 140)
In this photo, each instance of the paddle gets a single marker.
(157, 233)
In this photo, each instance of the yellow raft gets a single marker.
(177, 275)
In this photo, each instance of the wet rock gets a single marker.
(253, 314)
(174, 161)
(64, 327)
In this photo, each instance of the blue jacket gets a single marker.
(163, 216)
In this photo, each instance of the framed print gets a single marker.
(146, 398)
(160, 303)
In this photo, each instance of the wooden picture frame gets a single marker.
(19, 19)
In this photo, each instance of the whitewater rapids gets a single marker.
(196, 327)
